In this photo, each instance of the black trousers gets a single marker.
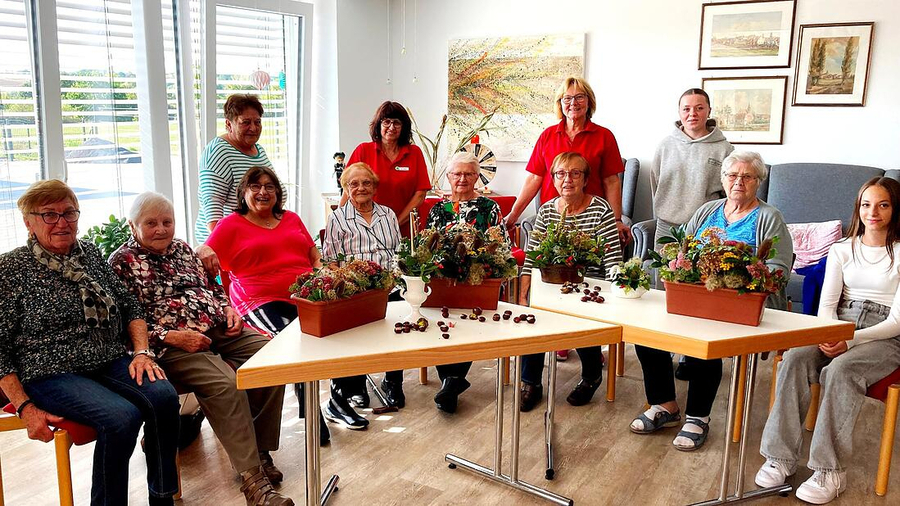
(453, 370)
(659, 380)
(591, 365)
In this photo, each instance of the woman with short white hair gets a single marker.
(200, 340)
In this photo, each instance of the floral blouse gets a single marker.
(173, 288)
(42, 327)
(480, 212)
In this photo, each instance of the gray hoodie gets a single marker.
(686, 172)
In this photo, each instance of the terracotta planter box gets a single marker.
(445, 292)
(559, 274)
(724, 305)
(323, 318)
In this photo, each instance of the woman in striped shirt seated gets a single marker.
(591, 214)
(366, 231)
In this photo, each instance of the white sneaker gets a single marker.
(773, 473)
(822, 487)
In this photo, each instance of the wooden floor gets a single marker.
(399, 460)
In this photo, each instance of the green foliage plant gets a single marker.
(109, 236)
(630, 275)
(564, 244)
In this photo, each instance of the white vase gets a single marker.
(627, 292)
(415, 294)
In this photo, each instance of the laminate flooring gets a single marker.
(400, 458)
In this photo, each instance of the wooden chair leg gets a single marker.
(423, 375)
(63, 442)
(611, 376)
(178, 473)
(813, 412)
(505, 362)
(620, 359)
(739, 405)
(775, 360)
(887, 440)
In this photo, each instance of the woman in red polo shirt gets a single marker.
(575, 103)
(403, 182)
(398, 163)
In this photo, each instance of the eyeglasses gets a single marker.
(745, 178)
(256, 187)
(574, 175)
(51, 218)
(365, 184)
(568, 99)
(460, 175)
(388, 123)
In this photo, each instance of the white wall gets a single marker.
(639, 56)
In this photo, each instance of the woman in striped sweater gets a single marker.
(590, 213)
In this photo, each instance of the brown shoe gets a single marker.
(258, 490)
(531, 396)
(272, 473)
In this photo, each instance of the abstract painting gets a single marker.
(833, 64)
(517, 77)
(748, 110)
(746, 34)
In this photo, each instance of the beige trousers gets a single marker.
(245, 421)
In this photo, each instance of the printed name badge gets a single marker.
(401, 169)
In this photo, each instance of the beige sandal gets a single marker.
(259, 492)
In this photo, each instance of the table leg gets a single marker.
(748, 401)
(611, 369)
(620, 359)
(502, 374)
(314, 494)
(548, 416)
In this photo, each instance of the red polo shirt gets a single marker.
(595, 143)
(398, 180)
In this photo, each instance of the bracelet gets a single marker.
(22, 407)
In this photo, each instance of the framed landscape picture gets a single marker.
(833, 64)
(740, 35)
(748, 110)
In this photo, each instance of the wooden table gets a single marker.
(646, 322)
(293, 357)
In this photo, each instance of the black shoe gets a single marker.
(583, 392)
(161, 501)
(393, 393)
(339, 411)
(531, 396)
(191, 425)
(683, 372)
(446, 399)
(324, 433)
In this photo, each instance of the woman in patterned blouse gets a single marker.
(463, 206)
(63, 315)
(200, 339)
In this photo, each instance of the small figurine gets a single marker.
(339, 168)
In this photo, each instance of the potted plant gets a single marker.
(109, 236)
(416, 260)
(564, 253)
(473, 266)
(629, 279)
(341, 296)
(714, 278)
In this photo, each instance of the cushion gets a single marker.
(812, 240)
(879, 390)
(80, 434)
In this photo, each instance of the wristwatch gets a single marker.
(145, 351)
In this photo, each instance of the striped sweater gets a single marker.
(597, 216)
(221, 168)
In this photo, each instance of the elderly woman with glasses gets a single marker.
(571, 174)
(363, 230)
(74, 346)
(403, 177)
(199, 340)
(742, 216)
(463, 206)
(575, 104)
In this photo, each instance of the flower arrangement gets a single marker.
(341, 280)
(563, 244)
(630, 276)
(715, 262)
(457, 252)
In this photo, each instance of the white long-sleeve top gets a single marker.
(868, 276)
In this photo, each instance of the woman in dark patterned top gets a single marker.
(64, 317)
(590, 214)
(464, 205)
(199, 339)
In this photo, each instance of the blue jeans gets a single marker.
(108, 400)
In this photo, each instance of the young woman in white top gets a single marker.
(861, 280)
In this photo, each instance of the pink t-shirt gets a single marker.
(262, 263)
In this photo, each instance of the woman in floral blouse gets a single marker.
(63, 316)
(200, 340)
(463, 206)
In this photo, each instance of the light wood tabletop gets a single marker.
(293, 357)
(646, 322)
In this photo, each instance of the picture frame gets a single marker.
(830, 60)
(743, 35)
(748, 110)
